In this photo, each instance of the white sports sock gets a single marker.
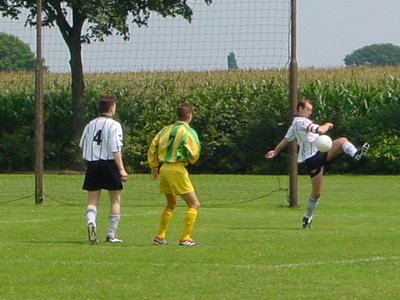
(349, 149)
(91, 215)
(113, 225)
(312, 203)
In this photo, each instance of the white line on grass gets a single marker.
(324, 263)
(247, 266)
(307, 264)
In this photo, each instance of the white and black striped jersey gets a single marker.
(304, 131)
(100, 139)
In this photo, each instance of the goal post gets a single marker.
(39, 112)
(293, 98)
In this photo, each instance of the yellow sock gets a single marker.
(164, 221)
(190, 219)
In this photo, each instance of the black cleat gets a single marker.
(361, 151)
(114, 240)
(92, 234)
(307, 222)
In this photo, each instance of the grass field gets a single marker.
(252, 245)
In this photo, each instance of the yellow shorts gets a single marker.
(174, 179)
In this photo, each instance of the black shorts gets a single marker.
(315, 163)
(102, 174)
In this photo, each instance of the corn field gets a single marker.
(238, 114)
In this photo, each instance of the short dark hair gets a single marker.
(302, 103)
(184, 111)
(105, 103)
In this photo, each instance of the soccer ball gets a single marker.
(323, 143)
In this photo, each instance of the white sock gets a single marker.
(312, 203)
(349, 149)
(113, 225)
(91, 215)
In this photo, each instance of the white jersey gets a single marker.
(304, 131)
(100, 139)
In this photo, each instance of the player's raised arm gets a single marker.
(324, 128)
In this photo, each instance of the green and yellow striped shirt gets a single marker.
(174, 143)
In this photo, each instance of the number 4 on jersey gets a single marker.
(97, 137)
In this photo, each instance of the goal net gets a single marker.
(237, 34)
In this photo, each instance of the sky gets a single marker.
(327, 31)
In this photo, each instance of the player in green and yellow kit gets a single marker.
(172, 149)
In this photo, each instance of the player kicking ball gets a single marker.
(101, 144)
(305, 133)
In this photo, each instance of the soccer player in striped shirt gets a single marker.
(174, 147)
(305, 132)
(101, 144)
